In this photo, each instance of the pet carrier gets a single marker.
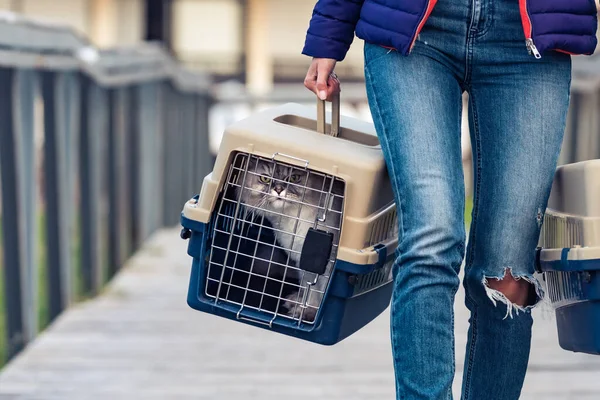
(569, 255)
(295, 229)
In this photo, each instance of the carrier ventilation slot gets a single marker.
(564, 288)
(559, 231)
(384, 228)
(374, 279)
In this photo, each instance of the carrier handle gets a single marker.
(335, 115)
(282, 155)
(253, 320)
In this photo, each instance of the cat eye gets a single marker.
(264, 179)
(295, 178)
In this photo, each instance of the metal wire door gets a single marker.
(261, 223)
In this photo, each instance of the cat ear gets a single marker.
(268, 168)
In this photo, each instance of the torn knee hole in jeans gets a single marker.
(535, 293)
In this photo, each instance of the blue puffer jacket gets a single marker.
(549, 25)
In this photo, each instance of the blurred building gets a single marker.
(257, 40)
(105, 22)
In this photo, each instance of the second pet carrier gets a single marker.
(569, 255)
(295, 229)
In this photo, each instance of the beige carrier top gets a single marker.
(289, 134)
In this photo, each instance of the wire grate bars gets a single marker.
(266, 211)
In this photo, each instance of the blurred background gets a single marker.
(111, 113)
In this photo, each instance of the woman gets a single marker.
(513, 58)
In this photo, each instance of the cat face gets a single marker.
(271, 187)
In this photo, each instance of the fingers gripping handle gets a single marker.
(335, 116)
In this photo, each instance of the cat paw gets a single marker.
(296, 310)
(309, 314)
(292, 304)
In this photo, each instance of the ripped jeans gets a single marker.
(517, 115)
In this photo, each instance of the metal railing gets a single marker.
(122, 140)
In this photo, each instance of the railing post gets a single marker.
(157, 107)
(203, 153)
(125, 183)
(149, 204)
(69, 105)
(89, 183)
(197, 162)
(58, 200)
(116, 172)
(187, 147)
(135, 169)
(26, 85)
(13, 250)
(179, 156)
(193, 135)
(169, 144)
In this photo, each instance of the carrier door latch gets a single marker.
(316, 251)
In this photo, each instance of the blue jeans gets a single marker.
(517, 109)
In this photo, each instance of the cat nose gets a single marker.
(278, 189)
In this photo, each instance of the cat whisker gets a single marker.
(251, 213)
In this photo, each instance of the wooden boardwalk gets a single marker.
(139, 340)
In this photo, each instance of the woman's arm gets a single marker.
(331, 29)
(328, 39)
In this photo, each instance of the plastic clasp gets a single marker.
(381, 251)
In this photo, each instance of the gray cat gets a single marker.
(292, 200)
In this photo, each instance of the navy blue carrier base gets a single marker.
(572, 277)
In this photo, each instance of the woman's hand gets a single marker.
(321, 79)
